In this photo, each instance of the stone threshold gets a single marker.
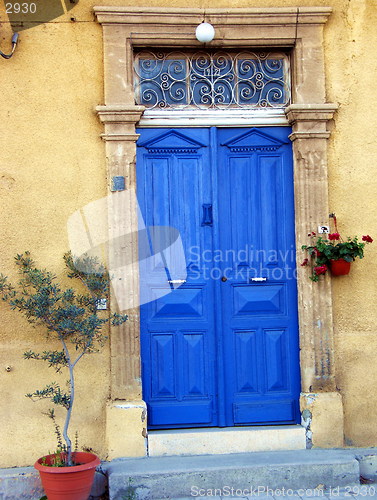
(218, 441)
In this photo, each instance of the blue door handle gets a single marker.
(207, 215)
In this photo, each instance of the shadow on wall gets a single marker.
(23, 16)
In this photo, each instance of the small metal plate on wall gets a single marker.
(118, 183)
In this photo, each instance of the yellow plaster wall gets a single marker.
(353, 194)
(52, 163)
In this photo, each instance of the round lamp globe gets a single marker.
(205, 32)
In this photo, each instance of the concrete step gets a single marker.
(214, 441)
(253, 474)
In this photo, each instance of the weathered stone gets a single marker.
(325, 418)
(177, 477)
(126, 429)
(225, 440)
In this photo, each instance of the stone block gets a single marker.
(225, 440)
(126, 429)
(324, 421)
(215, 475)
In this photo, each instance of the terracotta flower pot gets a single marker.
(340, 267)
(68, 483)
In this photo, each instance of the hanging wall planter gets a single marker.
(340, 267)
(331, 251)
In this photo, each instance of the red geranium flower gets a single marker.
(367, 238)
(305, 262)
(334, 236)
(320, 269)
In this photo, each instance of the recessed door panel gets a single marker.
(269, 299)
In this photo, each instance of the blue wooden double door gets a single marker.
(220, 346)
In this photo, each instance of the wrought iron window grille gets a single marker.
(216, 80)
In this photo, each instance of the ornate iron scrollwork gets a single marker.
(212, 79)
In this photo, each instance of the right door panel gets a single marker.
(259, 298)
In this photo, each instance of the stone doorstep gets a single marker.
(226, 440)
(174, 476)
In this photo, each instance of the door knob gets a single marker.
(224, 279)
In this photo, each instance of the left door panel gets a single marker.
(177, 333)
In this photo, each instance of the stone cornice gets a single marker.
(119, 122)
(309, 121)
(185, 17)
(310, 112)
(119, 114)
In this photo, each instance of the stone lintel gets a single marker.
(186, 16)
(174, 27)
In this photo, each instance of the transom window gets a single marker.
(211, 79)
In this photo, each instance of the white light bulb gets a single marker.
(205, 32)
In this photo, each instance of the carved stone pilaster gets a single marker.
(120, 140)
(310, 134)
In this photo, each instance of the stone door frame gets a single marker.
(301, 31)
